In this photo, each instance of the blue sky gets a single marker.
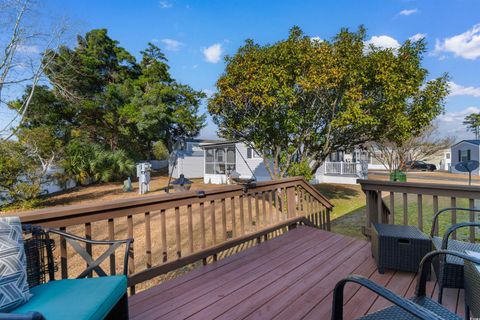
(196, 35)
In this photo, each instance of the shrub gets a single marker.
(160, 151)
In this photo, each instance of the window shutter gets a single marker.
(468, 155)
(249, 153)
(459, 155)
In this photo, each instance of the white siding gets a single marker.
(190, 166)
(255, 164)
(474, 154)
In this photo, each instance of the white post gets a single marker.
(341, 167)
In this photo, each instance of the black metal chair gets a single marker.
(41, 266)
(449, 270)
(417, 307)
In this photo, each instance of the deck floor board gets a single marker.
(288, 277)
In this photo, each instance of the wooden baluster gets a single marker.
(131, 264)
(234, 219)
(270, 206)
(380, 207)
(213, 223)
(454, 216)
(316, 215)
(190, 228)
(224, 219)
(435, 210)
(392, 208)
(242, 215)
(420, 211)
(264, 208)
(250, 215)
(148, 240)
(63, 255)
(88, 246)
(471, 235)
(328, 212)
(111, 236)
(275, 204)
(202, 226)
(257, 212)
(163, 226)
(178, 236)
(291, 202)
(405, 209)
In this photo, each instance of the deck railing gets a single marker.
(342, 168)
(415, 204)
(172, 231)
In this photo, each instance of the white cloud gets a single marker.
(171, 44)
(208, 92)
(383, 42)
(316, 39)
(465, 45)
(407, 12)
(213, 53)
(459, 90)
(165, 4)
(417, 37)
(26, 49)
(457, 117)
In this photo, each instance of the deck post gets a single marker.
(291, 205)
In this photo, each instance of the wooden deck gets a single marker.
(288, 277)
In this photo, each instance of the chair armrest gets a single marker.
(455, 227)
(435, 217)
(425, 265)
(407, 305)
(71, 238)
(32, 315)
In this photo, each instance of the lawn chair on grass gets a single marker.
(449, 269)
(28, 289)
(417, 307)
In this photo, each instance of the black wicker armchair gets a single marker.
(417, 307)
(449, 269)
(41, 266)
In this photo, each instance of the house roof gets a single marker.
(219, 143)
(476, 142)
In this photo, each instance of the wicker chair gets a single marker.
(449, 270)
(417, 307)
(41, 267)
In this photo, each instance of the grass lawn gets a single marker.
(349, 213)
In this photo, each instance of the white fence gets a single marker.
(342, 168)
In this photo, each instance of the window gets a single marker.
(220, 160)
(252, 154)
(464, 155)
(447, 155)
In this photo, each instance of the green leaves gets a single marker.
(300, 99)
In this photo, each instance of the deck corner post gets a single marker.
(291, 203)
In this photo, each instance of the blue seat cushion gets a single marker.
(90, 298)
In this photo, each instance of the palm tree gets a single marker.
(472, 121)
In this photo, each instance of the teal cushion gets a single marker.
(90, 298)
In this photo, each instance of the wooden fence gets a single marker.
(415, 204)
(174, 230)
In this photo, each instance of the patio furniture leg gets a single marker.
(440, 293)
(120, 310)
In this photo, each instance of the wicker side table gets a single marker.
(399, 247)
(472, 286)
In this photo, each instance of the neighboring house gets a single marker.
(463, 151)
(221, 158)
(188, 160)
(442, 160)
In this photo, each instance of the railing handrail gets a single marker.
(125, 207)
(448, 190)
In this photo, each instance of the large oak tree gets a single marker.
(300, 99)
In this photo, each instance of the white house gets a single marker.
(463, 151)
(188, 159)
(221, 158)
